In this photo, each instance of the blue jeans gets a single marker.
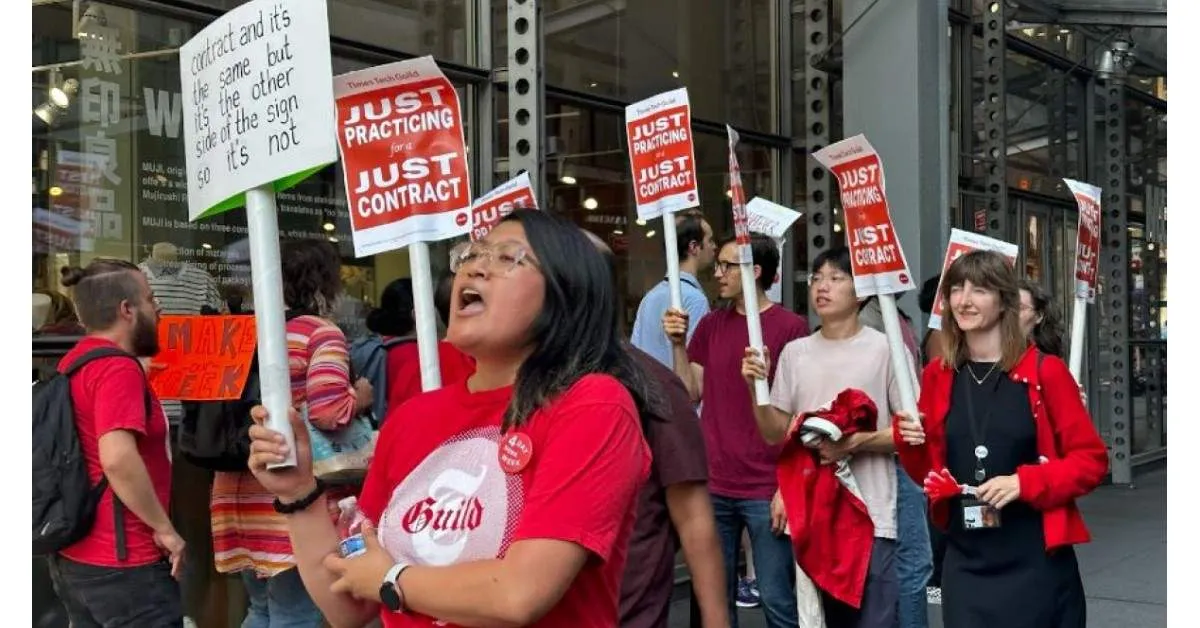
(774, 566)
(280, 601)
(914, 558)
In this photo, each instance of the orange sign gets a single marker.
(875, 255)
(659, 131)
(203, 358)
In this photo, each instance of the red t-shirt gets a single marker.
(404, 370)
(109, 394)
(440, 496)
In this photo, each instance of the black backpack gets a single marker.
(64, 500)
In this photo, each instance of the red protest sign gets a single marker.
(1087, 242)
(661, 154)
(203, 358)
(961, 243)
(404, 155)
(876, 257)
(489, 209)
(741, 218)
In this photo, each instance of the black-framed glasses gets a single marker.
(721, 266)
(508, 255)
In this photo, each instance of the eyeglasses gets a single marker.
(508, 255)
(721, 266)
(833, 278)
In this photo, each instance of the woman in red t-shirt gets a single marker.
(508, 498)
(393, 320)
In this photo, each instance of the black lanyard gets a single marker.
(979, 426)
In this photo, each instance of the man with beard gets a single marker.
(123, 572)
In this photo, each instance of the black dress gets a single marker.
(1001, 577)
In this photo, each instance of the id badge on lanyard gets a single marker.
(976, 514)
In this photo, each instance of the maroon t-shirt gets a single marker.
(740, 463)
(678, 449)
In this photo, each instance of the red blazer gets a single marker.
(830, 528)
(1076, 458)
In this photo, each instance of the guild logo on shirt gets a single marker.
(455, 506)
(466, 517)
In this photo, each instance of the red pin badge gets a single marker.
(516, 450)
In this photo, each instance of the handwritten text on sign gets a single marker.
(1087, 243)
(875, 255)
(403, 154)
(661, 153)
(491, 208)
(203, 358)
(257, 102)
(961, 243)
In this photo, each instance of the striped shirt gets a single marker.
(247, 532)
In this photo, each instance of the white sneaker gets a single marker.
(188, 622)
(933, 595)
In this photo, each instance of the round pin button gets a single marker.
(516, 450)
(981, 452)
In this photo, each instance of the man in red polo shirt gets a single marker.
(120, 576)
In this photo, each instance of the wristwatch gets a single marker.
(390, 593)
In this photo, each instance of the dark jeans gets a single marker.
(106, 597)
(774, 565)
(880, 596)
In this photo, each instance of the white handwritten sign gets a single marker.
(258, 102)
(774, 220)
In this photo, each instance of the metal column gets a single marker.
(1056, 110)
(483, 104)
(785, 188)
(817, 102)
(995, 120)
(1114, 275)
(526, 93)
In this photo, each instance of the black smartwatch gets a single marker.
(389, 592)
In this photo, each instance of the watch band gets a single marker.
(390, 592)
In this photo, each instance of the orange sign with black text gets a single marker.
(404, 155)
(203, 358)
(876, 257)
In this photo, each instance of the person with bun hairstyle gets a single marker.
(123, 573)
(1005, 447)
(506, 499)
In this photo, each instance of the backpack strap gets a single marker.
(118, 507)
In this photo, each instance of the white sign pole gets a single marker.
(266, 276)
(1078, 329)
(762, 392)
(672, 249)
(427, 336)
(900, 366)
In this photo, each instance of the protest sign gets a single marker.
(661, 154)
(489, 209)
(875, 254)
(774, 220)
(203, 358)
(961, 243)
(1087, 258)
(1087, 242)
(741, 232)
(258, 103)
(404, 155)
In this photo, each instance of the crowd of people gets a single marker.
(563, 463)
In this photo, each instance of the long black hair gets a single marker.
(1047, 334)
(394, 316)
(576, 333)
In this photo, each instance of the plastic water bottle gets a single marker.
(349, 527)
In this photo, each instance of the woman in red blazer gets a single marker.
(1007, 423)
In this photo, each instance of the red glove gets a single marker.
(941, 486)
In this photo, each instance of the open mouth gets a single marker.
(470, 301)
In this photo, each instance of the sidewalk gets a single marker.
(1124, 567)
